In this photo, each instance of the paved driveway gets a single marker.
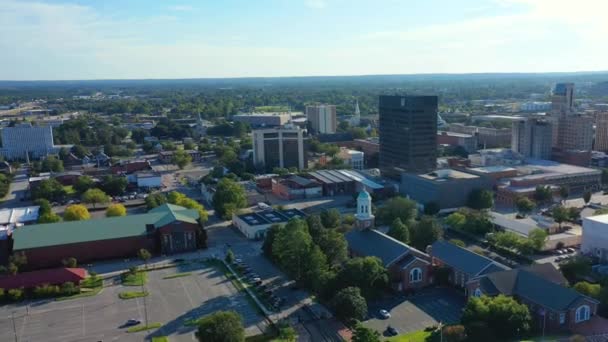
(426, 308)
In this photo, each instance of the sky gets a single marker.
(140, 39)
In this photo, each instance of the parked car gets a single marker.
(132, 322)
(392, 331)
(385, 314)
(571, 250)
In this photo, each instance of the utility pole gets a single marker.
(14, 327)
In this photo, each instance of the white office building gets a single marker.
(322, 118)
(25, 140)
(595, 237)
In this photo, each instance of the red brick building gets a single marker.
(166, 229)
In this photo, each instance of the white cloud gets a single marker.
(181, 8)
(317, 4)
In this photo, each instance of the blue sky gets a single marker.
(100, 39)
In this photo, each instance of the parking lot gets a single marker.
(426, 308)
(171, 302)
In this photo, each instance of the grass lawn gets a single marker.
(160, 339)
(177, 275)
(132, 294)
(416, 336)
(551, 338)
(134, 279)
(69, 190)
(192, 322)
(139, 328)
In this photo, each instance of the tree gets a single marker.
(457, 242)
(349, 304)
(155, 200)
(229, 196)
(538, 237)
(94, 197)
(83, 183)
(315, 226)
(425, 232)
(431, 208)
(269, 239)
(292, 246)
(453, 333)
(229, 256)
(49, 218)
(181, 158)
(368, 274)
(330, 218)
(524, 205)
(564, 192)
(587, 197)
(180, 199)
(114, 185)
(76, 212)
(49, 189)
(398, 207)
(399, 231)
(333, 244)
(560, 214)
(480, 199)
(364, 334)
(543, 194)
(575, 268)
(116, 209)
(501, 317)
(221, 326)
(70, 262)
(45, 206)
(588, 289)
(456, 220)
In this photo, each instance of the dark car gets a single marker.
(132, 322)
(392, 331)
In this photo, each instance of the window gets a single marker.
(477, 292)
(562, 318)
(415, 275)
(583, 313)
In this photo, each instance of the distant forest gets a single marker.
(218, 98)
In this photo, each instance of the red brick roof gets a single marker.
(55, 276)
(131, 167)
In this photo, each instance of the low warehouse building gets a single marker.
(254, 225)
(55, 276)
(166, 229)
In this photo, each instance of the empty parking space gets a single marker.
(427, 308)
(172, 302)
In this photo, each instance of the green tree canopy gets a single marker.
(221, 326)
(333, 244)
(364, 334)
(456, 220)
(543, 194)
(114, 185)
(524, 205)
(502, 317)
(95, 196)
(424, 232)
(399, 231)
(538, 237)
(49, 189)
(349, 304)
(560, 214)
(181, 158)
(83, 183)
(398, 207)
(330, 218)
(229, 196)
(480, 199)
(49, 218)
(368, 274)
(292, 246)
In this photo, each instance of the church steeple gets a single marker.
(364, 216)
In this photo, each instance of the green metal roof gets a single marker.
(62, 233)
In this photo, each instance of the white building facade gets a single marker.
(26, 141)
(322, 118)
(595, 237)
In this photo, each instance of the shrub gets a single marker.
(69, 288)
(453, 333)
(2, 294)
(46, 290)
(15, 294)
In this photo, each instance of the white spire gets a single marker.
(357, 111)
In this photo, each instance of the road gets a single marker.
(18, 190)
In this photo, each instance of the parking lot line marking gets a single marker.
(84, 329)
(22, 327)
(187, 293)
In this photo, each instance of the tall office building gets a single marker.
(562, 99)
(575, 132)
(408, 134)
(322, 118)
(283, 147)
(601, 132)
(532, 138)
(26, 141)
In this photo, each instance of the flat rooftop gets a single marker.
(598, 218)
(454, 134)
(271, 216)
(19, 215)
(492, 169)
(447, 174)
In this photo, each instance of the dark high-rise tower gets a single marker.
(408, 134)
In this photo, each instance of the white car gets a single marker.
(385, 314)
